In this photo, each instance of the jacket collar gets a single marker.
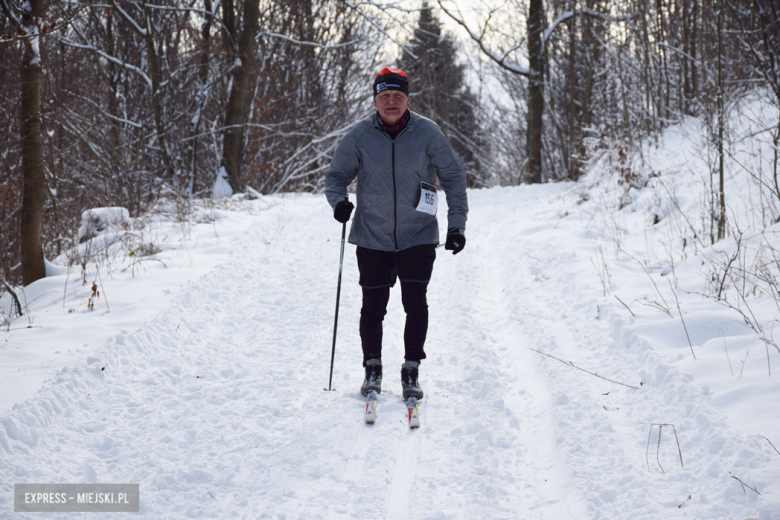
(381, 125)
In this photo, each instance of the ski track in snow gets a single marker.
(404, 476)
(216, 406)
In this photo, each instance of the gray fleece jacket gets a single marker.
(389, 174)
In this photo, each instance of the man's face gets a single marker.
(391, 105)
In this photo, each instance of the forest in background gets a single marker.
(126, 102)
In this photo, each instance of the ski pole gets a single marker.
(338, 296)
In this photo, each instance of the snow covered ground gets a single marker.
(199, 371)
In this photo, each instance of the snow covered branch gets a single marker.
(299, 42)
(582, 369)
(106, 56)
(386, 7)
(374, 24)
(584, 11)
(753, 489)
(479, 39)
(27, 31)
(9, 13)
(129, 19)
(13, 294)
(562, 18)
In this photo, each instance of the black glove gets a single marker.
(456, 241)
(343, 211)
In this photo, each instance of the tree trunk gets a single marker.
(124, 185)
(535, 91)
(202, 94)
(591, 50)
(229, 22)
(156, 76)
(662, 38)
(235, 117)
(626, 116)
(694, 41)
(686, 61)
(33, 195)
(572, 161)
(776, 143)
(646, 68)
(721, 122)
(117, 159)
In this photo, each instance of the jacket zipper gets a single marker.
(395, 195)
(395, 202)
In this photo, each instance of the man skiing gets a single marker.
(396, 155)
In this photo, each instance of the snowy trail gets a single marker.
(216, 405)
(488, 403)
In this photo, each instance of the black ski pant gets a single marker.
(378, 273)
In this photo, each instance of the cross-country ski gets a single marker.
(371, 407)
(414, 412)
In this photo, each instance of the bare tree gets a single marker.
(242, 73)
(203, 90)
(31, 26)
(759, 33)
(537, 37)
(439, 91)
(147, 30)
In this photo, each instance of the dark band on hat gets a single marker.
(391, 79)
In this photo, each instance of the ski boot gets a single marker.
(373, 380)
(409, 382)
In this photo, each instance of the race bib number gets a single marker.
(429, 199)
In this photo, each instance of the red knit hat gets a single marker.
(391, 79)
